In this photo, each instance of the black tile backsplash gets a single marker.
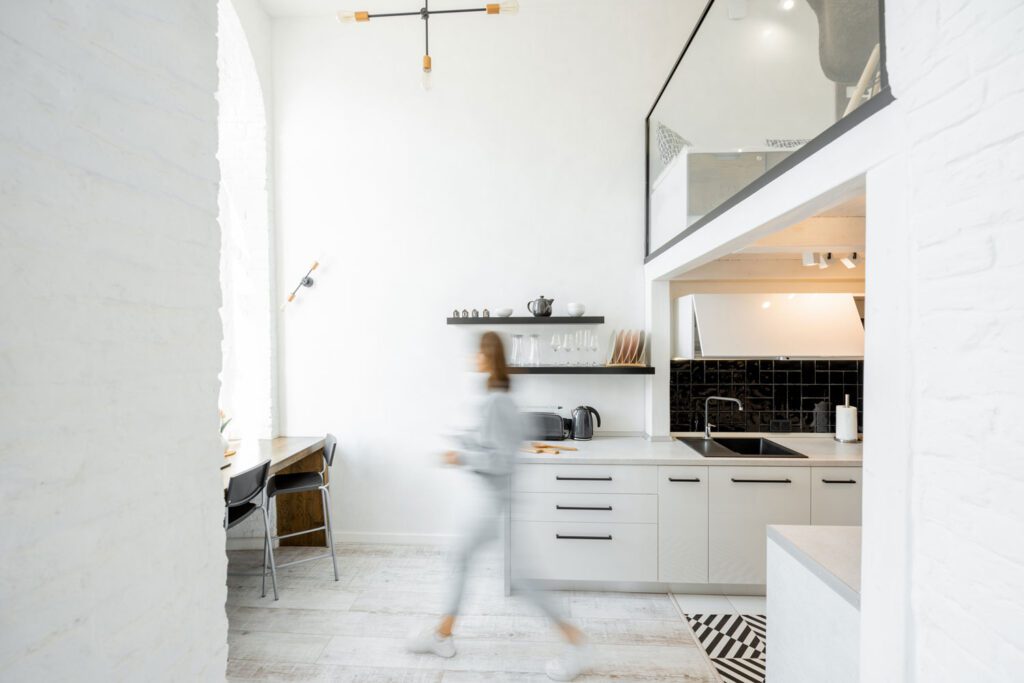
(777, 395)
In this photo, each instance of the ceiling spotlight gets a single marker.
(810, 258)
(823, 261)
(849, 261)
(787, 4)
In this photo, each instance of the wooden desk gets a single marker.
(295, 511)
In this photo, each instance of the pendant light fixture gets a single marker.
(424, 13)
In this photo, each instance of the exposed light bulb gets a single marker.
(347, 17)
(787, 4)
(766, 304)
(427, 80)
(510, 7)
(810, 258)
(849, 261)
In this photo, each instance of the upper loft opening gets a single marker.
(759, 86)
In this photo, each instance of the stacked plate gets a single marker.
(627, 347)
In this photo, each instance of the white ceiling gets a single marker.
(854, 207)
(313, 8)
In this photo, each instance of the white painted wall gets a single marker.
(113, 548)
(521, 173)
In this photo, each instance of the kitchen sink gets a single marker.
(739, 447)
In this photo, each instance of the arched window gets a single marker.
(248, 375)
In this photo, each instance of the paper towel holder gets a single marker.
(836, 437)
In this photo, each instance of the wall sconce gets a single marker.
(306, 281)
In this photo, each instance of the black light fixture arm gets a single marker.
(425, 12)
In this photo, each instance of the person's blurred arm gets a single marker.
(493, 448)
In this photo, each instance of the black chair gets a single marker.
(281, 484)
(243, 488)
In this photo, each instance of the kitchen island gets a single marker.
(814, 603)
(625, 513)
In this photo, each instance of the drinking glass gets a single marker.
(556, 343)
(517, 349)
(533, 351)
(567, 345)
(594, 347)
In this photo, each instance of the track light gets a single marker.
(810, 258)
(823, 262)
(849, 261)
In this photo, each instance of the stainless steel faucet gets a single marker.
(707, 422)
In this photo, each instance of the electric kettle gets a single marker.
(583, 424)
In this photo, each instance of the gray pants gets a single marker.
(478, 530)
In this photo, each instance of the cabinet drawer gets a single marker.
(624, 508)
(836, 495)
(683, 524)
(743, 501)
(586, 479)
(585, 551)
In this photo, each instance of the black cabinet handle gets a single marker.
(694, 480)
(582, 507)
(583, 538)
(558, 478)
(839, 481)
(762, 481)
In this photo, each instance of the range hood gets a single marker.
(768, 326)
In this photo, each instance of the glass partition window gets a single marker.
(758, 80)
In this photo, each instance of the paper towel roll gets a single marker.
(846, 423)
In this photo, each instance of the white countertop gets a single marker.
(830, 552)
(821, 450)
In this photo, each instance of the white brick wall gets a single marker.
(958, 68)
(113, 551)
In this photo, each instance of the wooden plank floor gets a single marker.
(355, 629)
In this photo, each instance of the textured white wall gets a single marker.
(521, 173)
(958, 67)
(113, 549)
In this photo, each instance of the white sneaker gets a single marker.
(429, 641)
(568, 665)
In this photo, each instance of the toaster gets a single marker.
(547, 426)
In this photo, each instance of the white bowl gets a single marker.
(503, 312)
(576, 310)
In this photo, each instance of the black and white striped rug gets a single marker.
(735, 643)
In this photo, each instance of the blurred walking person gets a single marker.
(490, 452)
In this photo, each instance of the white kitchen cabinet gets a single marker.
(743, 501)
(586, 479)
(574, 551)
(836, 495)
(683, 524)
(625, 508)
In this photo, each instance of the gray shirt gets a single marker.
(492, 447)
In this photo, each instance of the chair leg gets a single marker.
(326, 494)
(266, 547)
(270, 553)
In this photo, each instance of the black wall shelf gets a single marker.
(530, 320)
(579, 370)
